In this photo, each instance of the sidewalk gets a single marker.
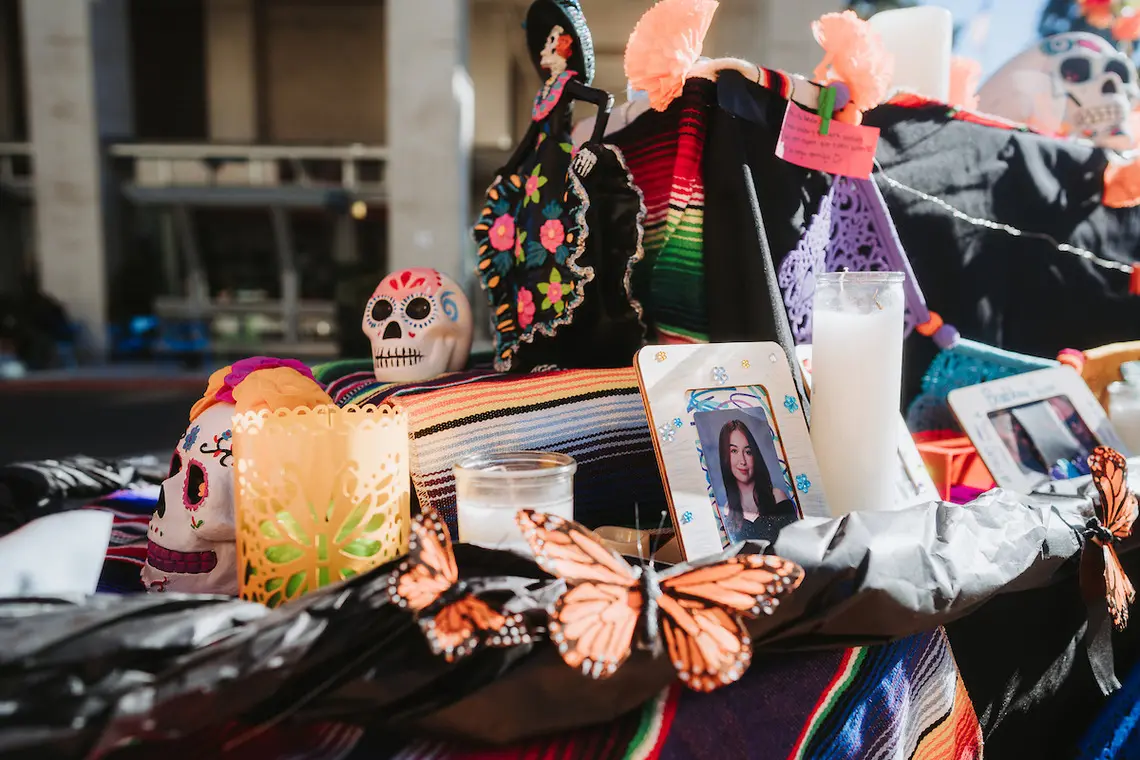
(110, 377)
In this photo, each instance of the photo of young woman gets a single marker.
(754, 506)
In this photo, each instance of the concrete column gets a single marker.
(430, 114)
(8, 40)
(737, 31)
(790, 43)
(73, 106)
(772, 33)
(231, 70)
(491, 62)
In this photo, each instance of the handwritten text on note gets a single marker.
(847, 149)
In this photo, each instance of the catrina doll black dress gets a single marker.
(559, 231)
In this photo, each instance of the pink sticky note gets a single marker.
(846, 149)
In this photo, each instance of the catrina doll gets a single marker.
(561, 229)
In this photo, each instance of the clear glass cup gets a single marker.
(1124, 412)
(857, 337)
(1130, 371)
(491, 488)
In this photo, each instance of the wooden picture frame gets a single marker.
(695, 390)
(1018, 422)
(915, 484)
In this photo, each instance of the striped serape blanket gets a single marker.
(903, 701)
(131, 509)
(596, 416)
(663, 151)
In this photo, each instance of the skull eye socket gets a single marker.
(1076, 69)
(175, 465)
(381, 310)
(1120, 68)
(196, 486)
(418, 308)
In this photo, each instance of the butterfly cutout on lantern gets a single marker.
(1115, 514)
(696, 608)
(454, 620)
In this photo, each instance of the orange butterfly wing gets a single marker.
(1117, 512)
(1117, 503)
(593, 623)
(430, 571)
(1118, 589)
(702, 608)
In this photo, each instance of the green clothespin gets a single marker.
(826, 108)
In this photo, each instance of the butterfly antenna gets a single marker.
(637, 528)
(657, 538)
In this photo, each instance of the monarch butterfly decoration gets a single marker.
(1115, 513)
(696, 608)
(454, 620)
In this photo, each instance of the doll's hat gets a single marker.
(543, 15)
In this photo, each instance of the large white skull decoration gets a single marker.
(1075, 84)
(191, 542)
(420, 325)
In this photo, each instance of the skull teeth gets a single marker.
(398, 357)
(1094, 116)
(185, 563)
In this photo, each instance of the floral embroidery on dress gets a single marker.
(530, 232)
(533, 184)
(503, 233)
(552, 290)
(526, 308)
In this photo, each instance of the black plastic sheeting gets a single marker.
(33, 489)
(79, 677)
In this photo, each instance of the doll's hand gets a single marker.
(584, 162)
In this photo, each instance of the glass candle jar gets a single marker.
(491, 488)
(1124, 412)
(857, 337)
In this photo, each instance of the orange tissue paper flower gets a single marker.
(855, 55)
(1127, 28)
(965, 73)
(664, 45)
(278, 388)
(1098, 13)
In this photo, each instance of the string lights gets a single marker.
(1083, 253)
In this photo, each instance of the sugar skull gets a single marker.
(1074, 84)
(556, 51)
(420, 325)
(191, 541)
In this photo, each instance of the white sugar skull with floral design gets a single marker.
(190, 543)
(420, 325)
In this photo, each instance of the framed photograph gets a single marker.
(1034, 428)
(731, 442)
(914, 484)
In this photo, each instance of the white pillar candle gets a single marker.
(857, 336)
(491, 489)
(921, 39)
(1124, 412)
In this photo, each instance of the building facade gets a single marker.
(255, 165)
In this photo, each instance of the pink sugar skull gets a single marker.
(420, 325)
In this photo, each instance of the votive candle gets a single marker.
(490, 489)
(857, 337)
